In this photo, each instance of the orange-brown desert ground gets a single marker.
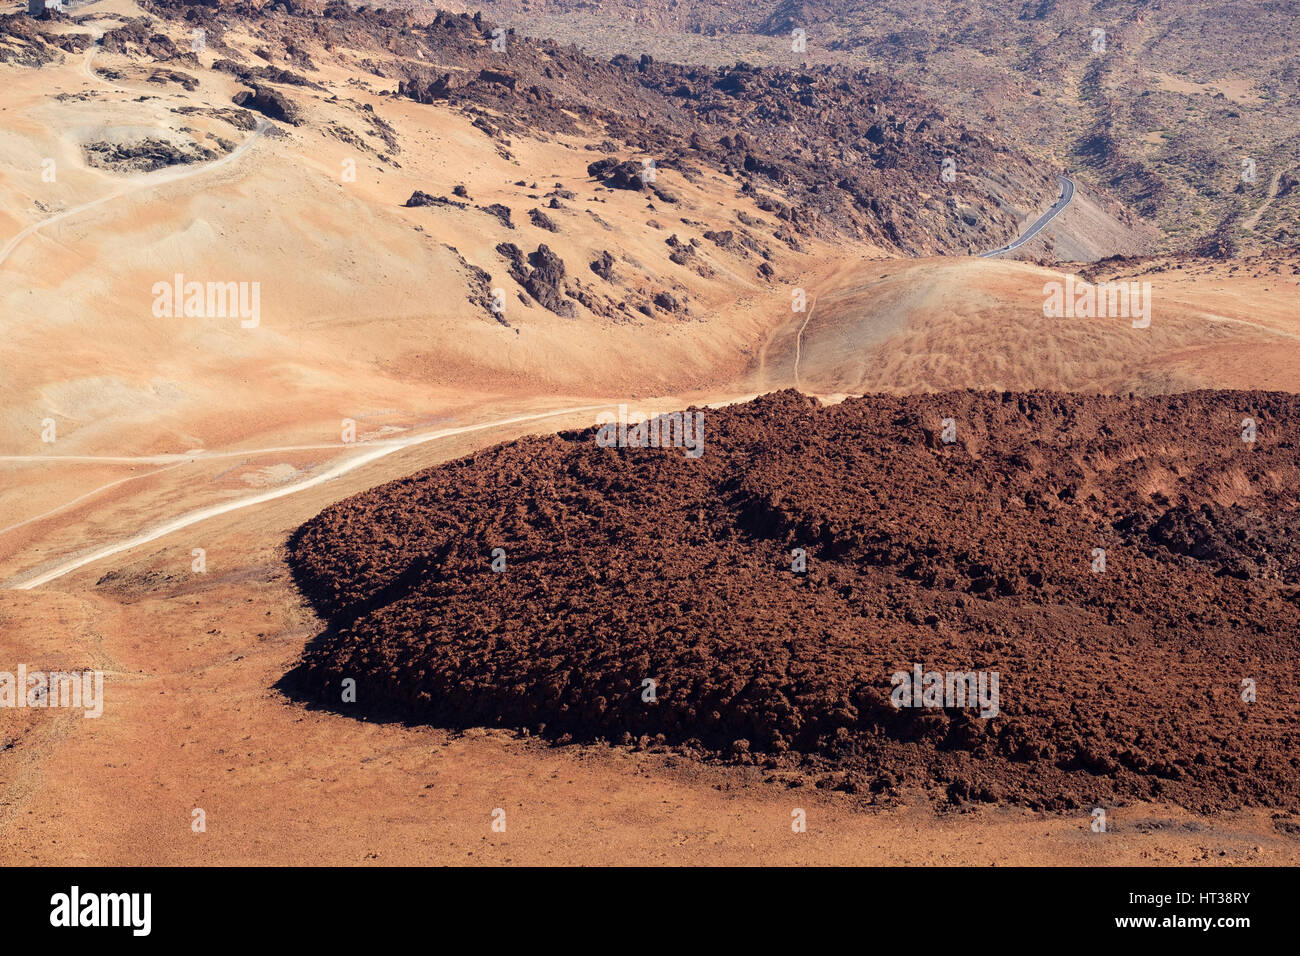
(172, 434)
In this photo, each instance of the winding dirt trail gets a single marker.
(375, 451)
(798, 342)
(89, 494)
(341, 468)
(1253, 221)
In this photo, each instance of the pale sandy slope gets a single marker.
(936, 325)
(366, 313)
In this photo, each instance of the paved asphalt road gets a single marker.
(1067, 193)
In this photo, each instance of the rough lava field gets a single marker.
(630, 563)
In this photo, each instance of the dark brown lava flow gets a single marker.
(632, 564)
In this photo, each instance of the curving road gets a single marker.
(341, 468)
(29, 580)
(1067, 194)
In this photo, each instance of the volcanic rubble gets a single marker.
(971, 545)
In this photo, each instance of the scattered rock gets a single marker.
(420, 198)
(271, 103)
(500, 212)
(542, 221)
(604, 266)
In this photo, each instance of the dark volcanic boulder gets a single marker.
(497, 77)
(542, 221)
(426, 92)
(421, 198)
(616, 174)
(668, 302)
(541, 275)
(270, 103)
(604, 266)
(545, 281)
(500, 212)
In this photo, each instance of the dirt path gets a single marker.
(1268, 201)
(798, 342)
(89, 494)
(374, 452)
(342, 468)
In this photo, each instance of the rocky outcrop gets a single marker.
(270, 103)
(542, 221)
(604, 266)
(146, 155)
(625, 174)
(421, 198)
(545, 281)
(541, 275)
(183, 80)
(22, 42)
(500, 212)
(829, 151)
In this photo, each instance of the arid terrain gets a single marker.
(1186, 110)
(412, 247)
